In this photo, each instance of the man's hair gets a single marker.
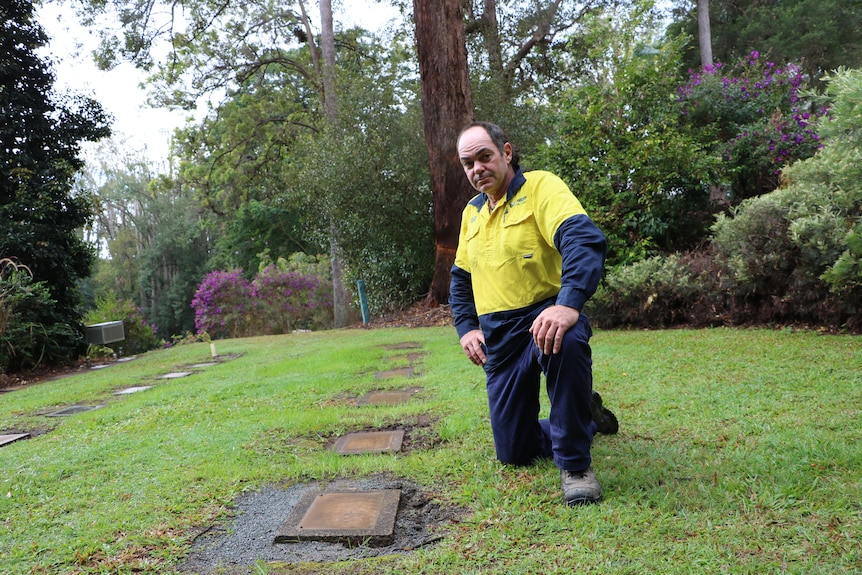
(498, 137)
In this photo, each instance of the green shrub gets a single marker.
(656, 292)
(26, 338)
(140, 336)
(794, 254)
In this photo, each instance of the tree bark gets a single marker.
(341, 296)
(447, 105)
(704, 35)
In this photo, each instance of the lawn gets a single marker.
(739, 451)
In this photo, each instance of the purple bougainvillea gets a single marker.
(758, 112)
(276, 301)
(223, 304)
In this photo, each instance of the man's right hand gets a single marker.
(473, 344)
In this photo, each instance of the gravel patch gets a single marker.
(235, 545)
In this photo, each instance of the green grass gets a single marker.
(740, 451)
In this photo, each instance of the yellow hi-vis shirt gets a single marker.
(509, 252)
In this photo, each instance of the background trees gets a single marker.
(820, 35)
(621, 143)
(594, 90)
(41, 211)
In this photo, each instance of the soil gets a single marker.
(12, 381)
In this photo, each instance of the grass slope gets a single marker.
(740, 451)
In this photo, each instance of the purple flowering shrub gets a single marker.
(140, 335)
(289, 300)
(276, 301)
(224, 305)
(756, 116)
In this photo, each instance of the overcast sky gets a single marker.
(136, 124)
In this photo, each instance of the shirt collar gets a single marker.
(517, 181)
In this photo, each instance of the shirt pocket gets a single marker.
(473, 246)
(519, 237)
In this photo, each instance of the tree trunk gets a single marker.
(491, 35)
(703, 33)
(447, 105)
(341, 296)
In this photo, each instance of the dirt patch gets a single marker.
(235, 545)
(19, 380)
(417, 315)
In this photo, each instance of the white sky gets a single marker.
(137, 126)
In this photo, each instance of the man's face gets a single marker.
(487, 169)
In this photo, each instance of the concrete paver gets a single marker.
(11, 438)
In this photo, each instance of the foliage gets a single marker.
(289, 300)
(40, 138)
(279, 299)
(756, 116)
(140, 336)
(156, 238)
(638, 172)
(789, 256)
(30, 332)
(366, 185)
(174, 257)
(754, 431)
(258, 228)
(655, 292)
(800, 243)
(224, 306)
(277, 181)
(820, 34)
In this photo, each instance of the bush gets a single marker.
(224, 305)
(288, 300)
(655, 292)
(140, 336)
(794, 254)
(279, 299)
(757, 116)
(26, 339)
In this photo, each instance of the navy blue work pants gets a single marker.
(513, 398)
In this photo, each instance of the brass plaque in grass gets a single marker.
(347, 517)
(370, 442)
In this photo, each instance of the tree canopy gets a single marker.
(40, 138)
(821, 35)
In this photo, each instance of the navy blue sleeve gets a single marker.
(584, 249)
(461, 301)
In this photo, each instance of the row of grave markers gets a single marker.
(355, 516)
(6, 439)
(345, 516)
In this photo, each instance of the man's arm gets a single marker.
(466, 319)
(583, 248)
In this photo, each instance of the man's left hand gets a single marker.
(551, 325)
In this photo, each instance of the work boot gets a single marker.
(580, 487)
(605, 420)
